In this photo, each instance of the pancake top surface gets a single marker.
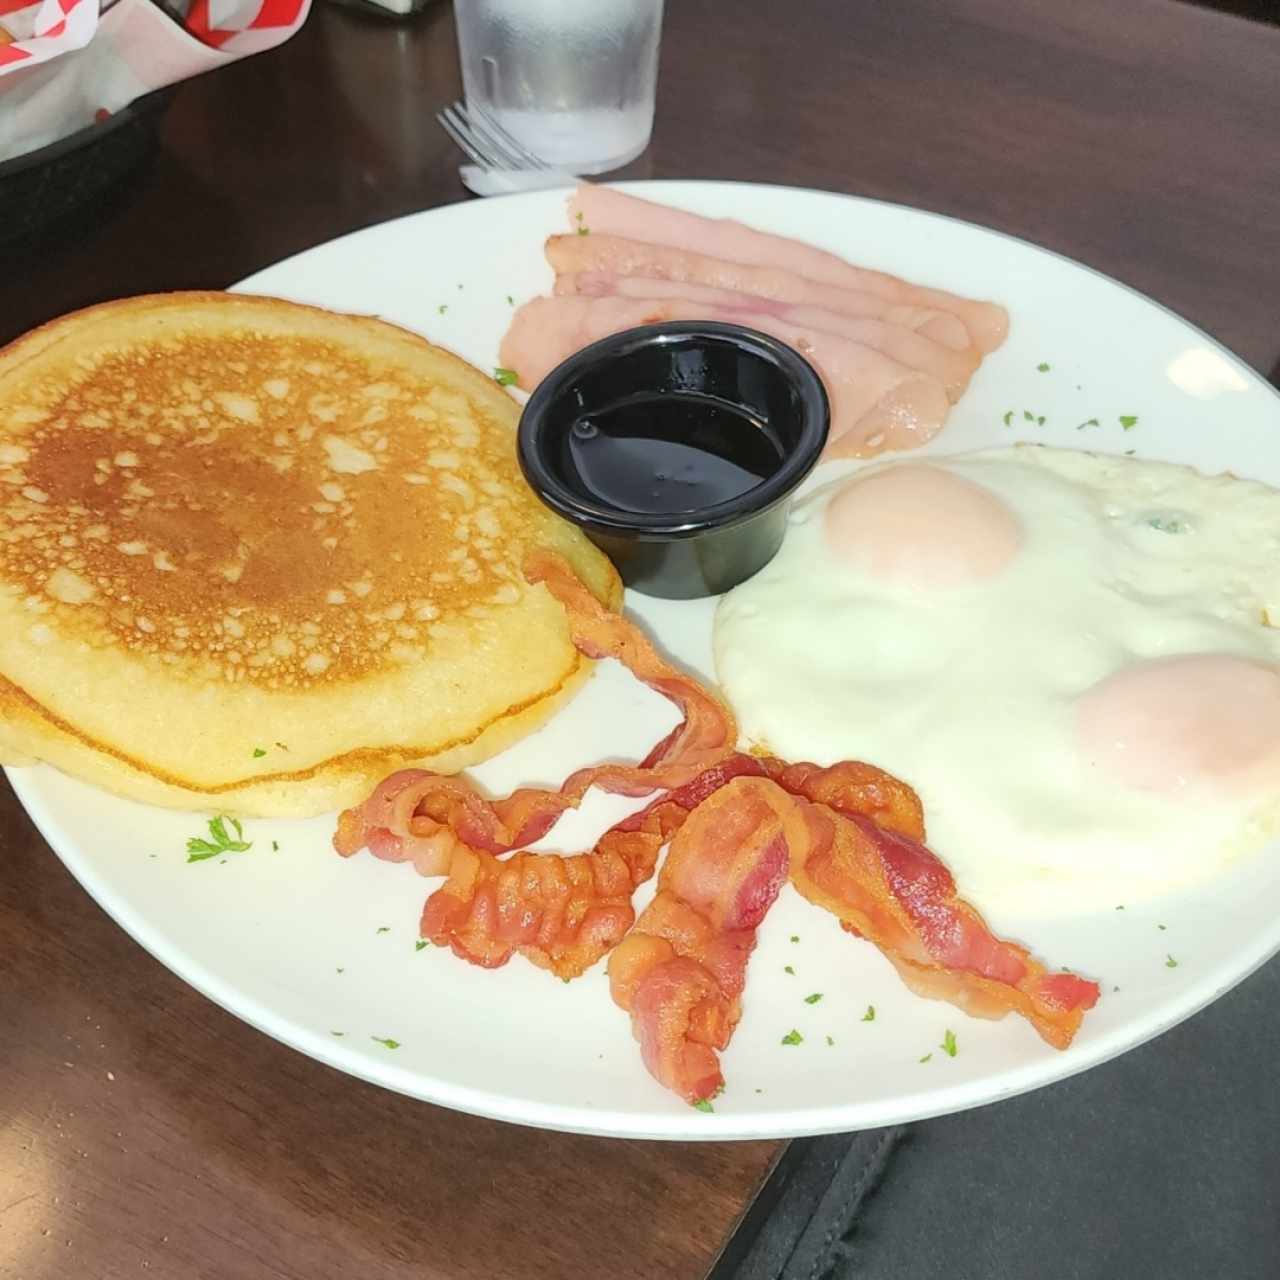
(246, 498)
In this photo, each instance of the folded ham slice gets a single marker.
(577, 259)
(607, 211)
(913, 349)
(876, 402)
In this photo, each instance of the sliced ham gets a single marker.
(607, 211)
(576, 258)
(876, 402)
(915, 350)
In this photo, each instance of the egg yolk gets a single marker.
(1191, 721)
(922, 527)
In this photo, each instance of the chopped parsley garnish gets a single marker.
(385, 928)
(1128, 453)
(1128, 421)
(702, 1104)
(511, 302)
(582, 230)
(337, 1033)
(1166, 524)
(786, 968)
(948, 1045)
(1042, 367)
(505, 377)
(870, 1015)
(1170, 963)
(387, 1041)
(258, 753)
(926, 1057)
(275, 846)
(813, 999)
(442, 308)
(341, 970)
(282, 746)
(1161, 927)
(795, 937)
(1120, 907)
(221, 841)
(1028, 415)
(1088, 422)
(421, 942)
(830, 1042)
(793, 1037)
(1008, 418)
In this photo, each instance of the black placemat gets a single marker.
(1164, 1163)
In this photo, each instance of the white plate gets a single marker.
(302, 944)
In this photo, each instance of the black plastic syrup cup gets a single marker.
(705, 384)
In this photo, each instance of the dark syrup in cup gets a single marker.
(677, 448)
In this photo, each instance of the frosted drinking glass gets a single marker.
(573, 80)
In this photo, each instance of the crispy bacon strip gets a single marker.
(887, 887)
(850, 836)
(680, 972)
(413, 816)
(562, 913)
(855, 788)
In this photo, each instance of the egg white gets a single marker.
(968, 693)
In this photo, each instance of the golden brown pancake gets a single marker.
(255, 555)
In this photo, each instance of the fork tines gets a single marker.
(484, 140)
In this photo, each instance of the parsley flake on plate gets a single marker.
(786, 968)
(870, 1015)
(1042, 367)
(385, 928)
(421, 942)
(795, 937)
(386, 1041)
(220, 840)
(1170, 963)
(505, 377)
(813, 999)
(702, 1104)
(442, 308)
(926, 1057)
(258, 753)
(948, 1045)
(511, 302)
(1128, 421)
(793, 1037)
(1088, 422)
(1008, 418)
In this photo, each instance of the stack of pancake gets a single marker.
(254, 556)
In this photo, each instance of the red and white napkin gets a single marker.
(64, 63)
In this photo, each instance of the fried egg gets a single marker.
(1073, 658)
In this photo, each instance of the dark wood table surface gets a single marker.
(142, 1129)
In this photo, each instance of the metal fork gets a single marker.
(501, 163)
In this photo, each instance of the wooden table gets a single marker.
(142, 1128)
